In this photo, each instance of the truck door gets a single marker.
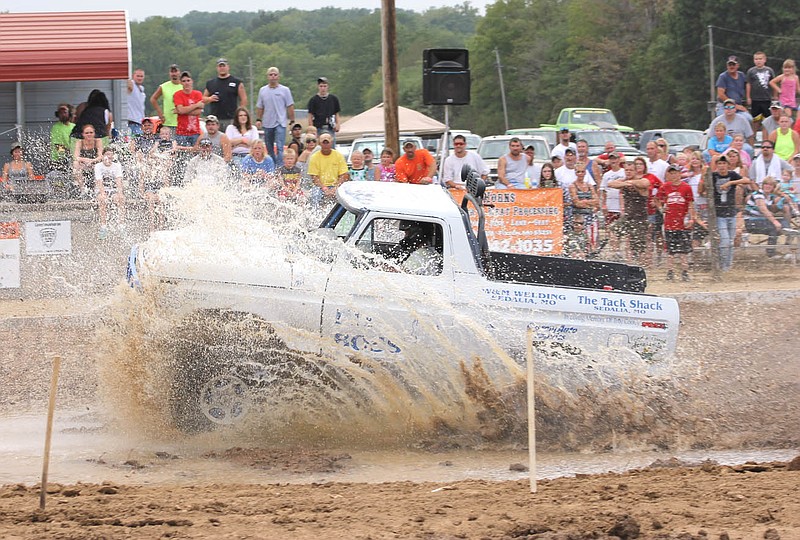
(387, 295)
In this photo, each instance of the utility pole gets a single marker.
(390, 77)
(502, 86)
(252, 98)
(712, 103)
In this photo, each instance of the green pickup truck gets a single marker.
(577, 118)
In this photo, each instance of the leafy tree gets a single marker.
(157, 42)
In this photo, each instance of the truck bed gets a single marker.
(586, 274)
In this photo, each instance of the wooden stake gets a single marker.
(531, 412)
(50, 411)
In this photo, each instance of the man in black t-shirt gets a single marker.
(227, 94)
(323, 110)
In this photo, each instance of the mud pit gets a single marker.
(737, 398)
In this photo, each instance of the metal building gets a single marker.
(50, 58)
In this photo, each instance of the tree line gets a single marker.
(648, 60)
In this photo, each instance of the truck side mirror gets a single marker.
(473, 182)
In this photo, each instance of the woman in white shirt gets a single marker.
(242, 134)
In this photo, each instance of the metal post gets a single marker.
(20, 100)
(713, 233)
(502, 86)
(713, 93)
(444, 151)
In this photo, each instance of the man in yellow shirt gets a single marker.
(327, 169)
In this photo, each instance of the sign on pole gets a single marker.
(9, 255)
(48, 237)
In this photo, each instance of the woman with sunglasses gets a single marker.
(663, 150)
(310, 146)
(585, 203)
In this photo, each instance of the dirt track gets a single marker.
(740, 389)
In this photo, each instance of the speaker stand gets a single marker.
(445, 146)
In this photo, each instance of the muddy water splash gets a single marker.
(157, 347)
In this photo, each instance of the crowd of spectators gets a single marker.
(640, 207)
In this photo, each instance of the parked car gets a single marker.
(491, 148)
(597, 139)
(345, 150)
(580, 118)
(549, 133)
(473, 140)
(678, 139)
(430, 144)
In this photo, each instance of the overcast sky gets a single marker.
(141, 9)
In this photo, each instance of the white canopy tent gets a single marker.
(371, 121)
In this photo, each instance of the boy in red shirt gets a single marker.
(189, 105)
(675, 201)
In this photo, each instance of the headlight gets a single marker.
(132, 272)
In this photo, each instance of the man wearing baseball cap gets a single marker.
(731, 84)
(168, 115)
(416, 165)
(564, 142)
(220, 143)
(735, 124)
(226, 94)
(206, 168)
(770, 123)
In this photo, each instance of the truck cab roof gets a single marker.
(399, 198)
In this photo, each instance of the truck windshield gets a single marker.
(341, 221)
(587, 117)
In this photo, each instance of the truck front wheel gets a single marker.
(211, 352)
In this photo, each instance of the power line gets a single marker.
(755, 34)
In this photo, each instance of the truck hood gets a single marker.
(247, 253)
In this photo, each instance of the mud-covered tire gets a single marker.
(218, 350)
(204, 350)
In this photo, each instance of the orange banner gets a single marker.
(9, 230)
(526, 221)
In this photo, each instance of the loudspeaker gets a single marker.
(445, 77)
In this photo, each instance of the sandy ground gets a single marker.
(743, 391)
(708, 501)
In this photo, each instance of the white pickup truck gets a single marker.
(395, 282)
